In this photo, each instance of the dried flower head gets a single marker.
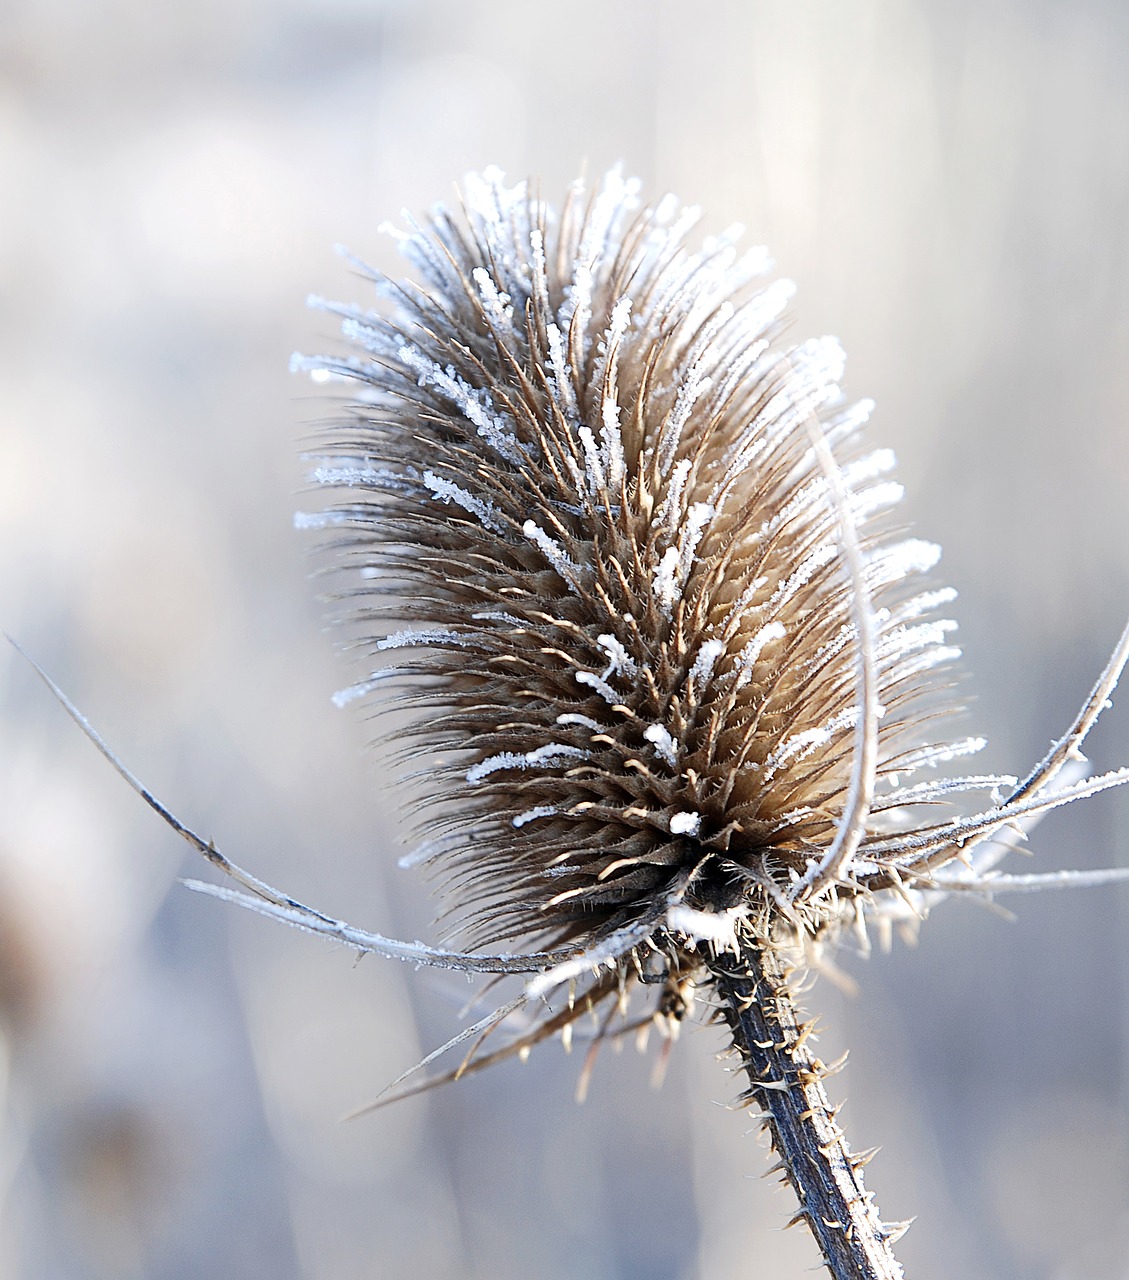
(587, 493)
(672, 680)
(631, 571)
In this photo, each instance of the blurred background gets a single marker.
(949, 184)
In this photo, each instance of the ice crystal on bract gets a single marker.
(628, 563)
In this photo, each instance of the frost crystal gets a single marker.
(685, 824)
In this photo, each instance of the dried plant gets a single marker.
(673, 684)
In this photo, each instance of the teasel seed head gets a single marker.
(668, 678)
(624, 558)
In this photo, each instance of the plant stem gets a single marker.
(786, 1081)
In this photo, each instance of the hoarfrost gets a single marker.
(447, 491)
(686, 823)
(659, 737)
(530, 815)
(550, 754)
(706, 660)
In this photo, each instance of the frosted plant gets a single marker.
(626, 560)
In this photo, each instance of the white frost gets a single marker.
(942, 753)
(425, 635)
(320, 519)
(601, 686)
(530, 815)
(748, 656)
(475, 405)
(720, 928)
(553, 552)
(550, 754)
(447, 491)
(665, 582)
(575, 717)
(659, 737)
(686, 823)
(893, 563)
(620, 662)
(705, 662)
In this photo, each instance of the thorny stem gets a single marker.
(786, 1081)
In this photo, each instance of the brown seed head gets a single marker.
(627, 564)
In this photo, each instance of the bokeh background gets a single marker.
(949, 184)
